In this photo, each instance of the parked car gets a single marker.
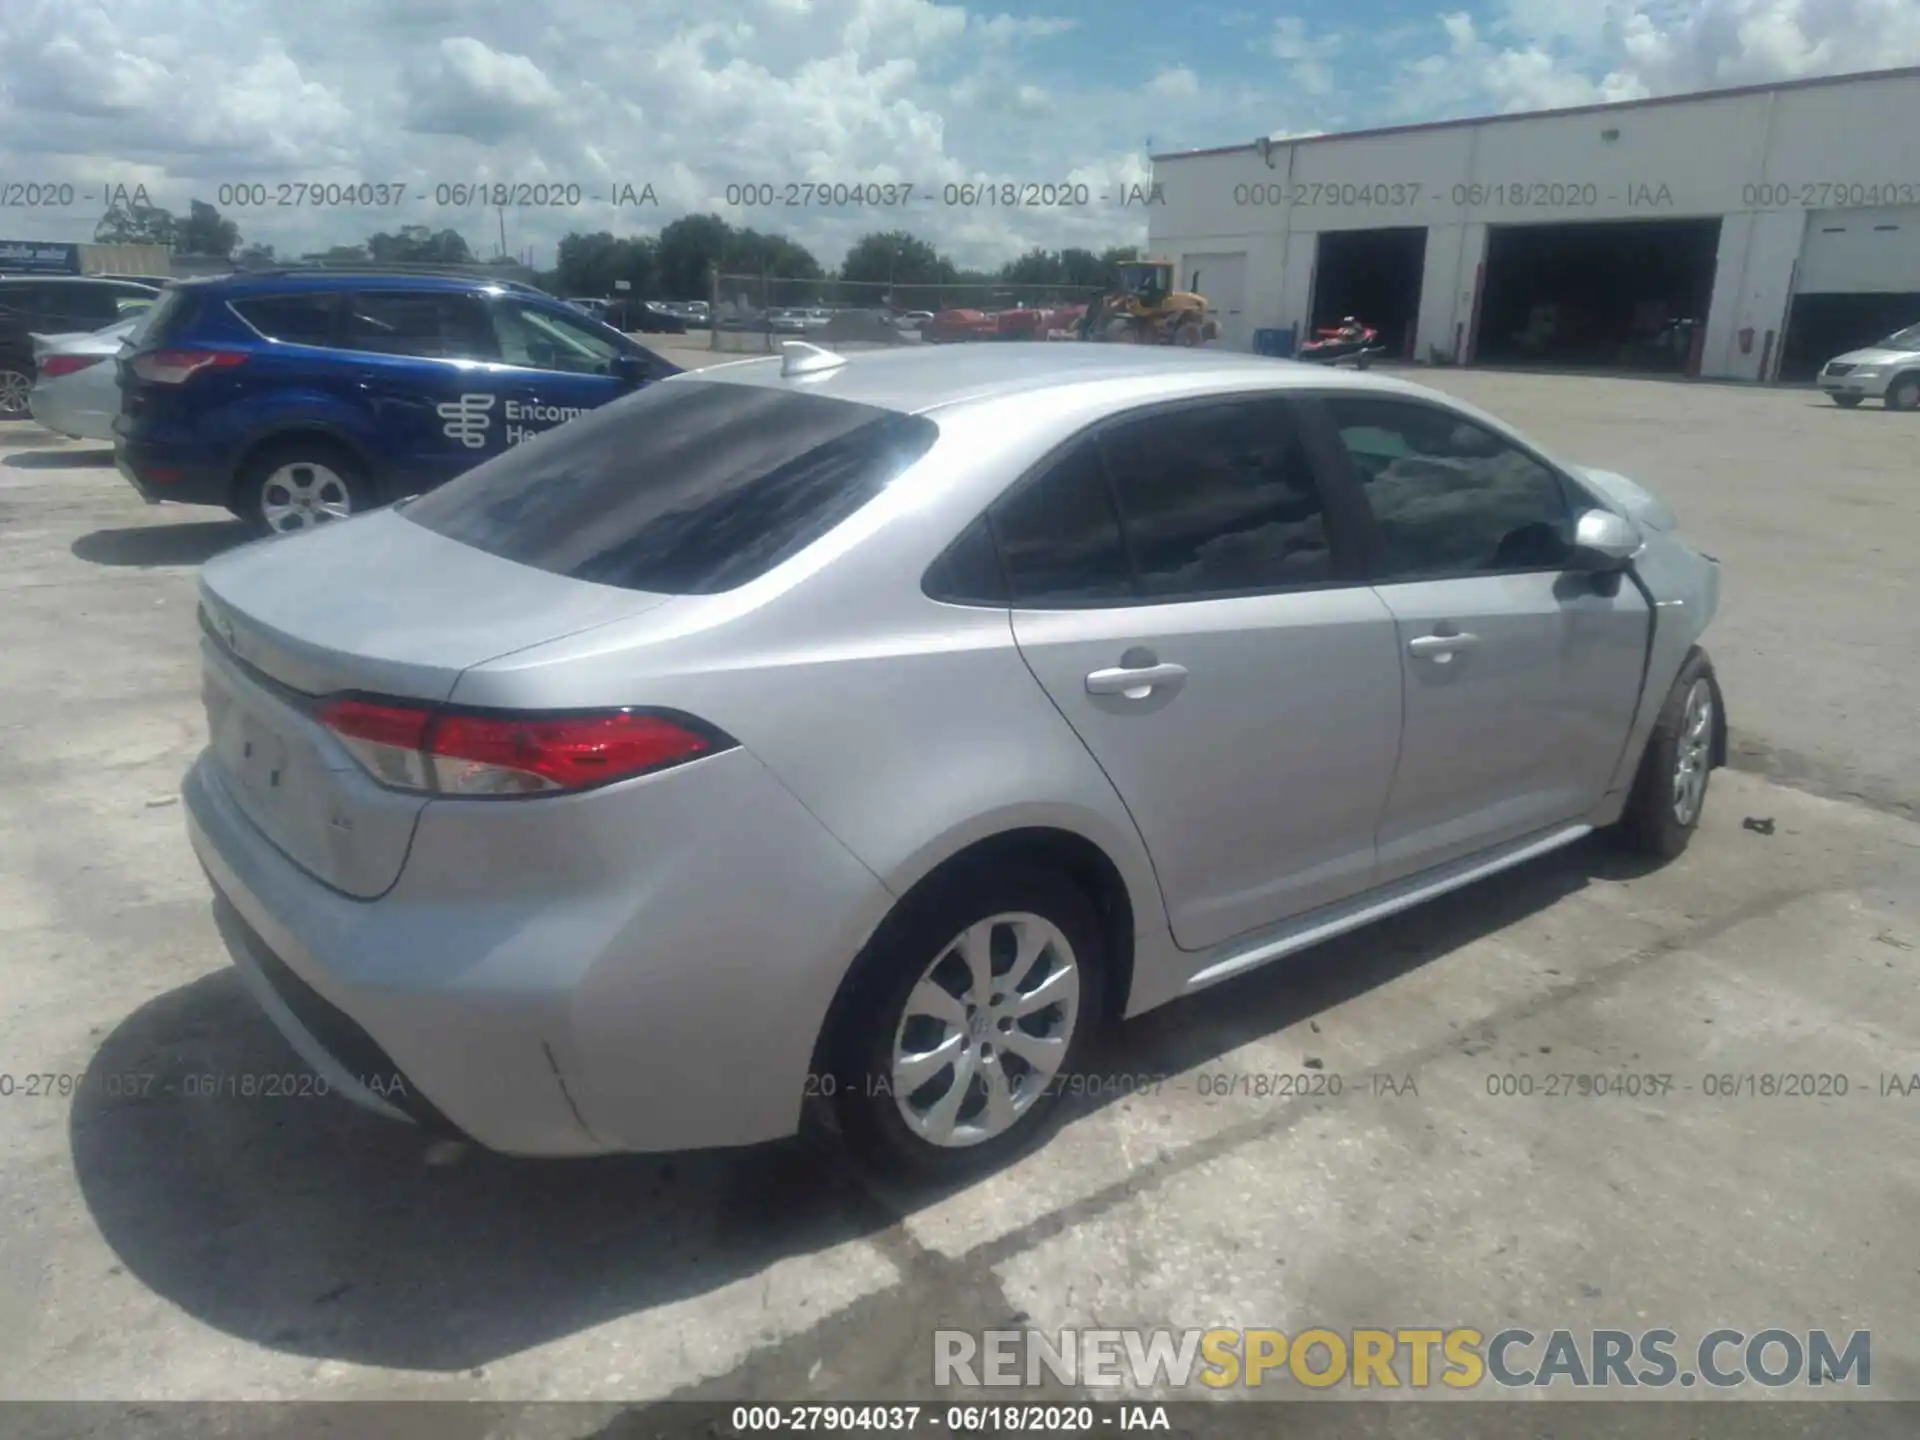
(654, 318)
(1887, 370)
(694, 312)
(1022, 323)
(950, 326)
(586, 305)
(54, 305)
(76, 390)
(294, 397)
(1187, 660)
(912, 319)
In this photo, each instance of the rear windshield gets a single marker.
(167, 316)
(688, 488)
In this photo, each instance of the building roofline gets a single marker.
(1906, 72)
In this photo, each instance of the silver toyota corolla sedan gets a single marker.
(872, 729)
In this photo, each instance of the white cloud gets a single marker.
(1306, 56)
(693, 96)
(1175, 84)
(1542, 53)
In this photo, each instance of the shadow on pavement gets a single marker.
(303, 1225)
(60, 459)
(192, 542)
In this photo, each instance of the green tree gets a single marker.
(896, 257)
(136, 224)
(206, 232)
(1037, 267)
(1082, 269)
(254, 257)
(594, 264)
(686, 251)
(420, 245)
(748, 252)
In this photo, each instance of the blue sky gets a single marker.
(695, 96)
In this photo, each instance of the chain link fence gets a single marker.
(752, 314)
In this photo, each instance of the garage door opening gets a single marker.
(1373, 275)
(1610, 295)
(1820, 327)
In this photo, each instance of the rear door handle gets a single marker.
(1441, 647)
(1136, 683)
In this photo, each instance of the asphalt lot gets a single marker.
(171, 1247)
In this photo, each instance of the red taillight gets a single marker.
(57, 365)
(390, 740)
(493, 755)
(171, 367)
(481, 754)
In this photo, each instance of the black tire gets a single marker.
(1362, 361)
(870, 1012)
(258, 491)
(1846, 402)
(1652, 823)
(1903, 391)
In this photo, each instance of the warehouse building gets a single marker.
(1783, 221)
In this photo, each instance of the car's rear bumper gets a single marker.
(163, 473)
(69, 415)
(647, 987)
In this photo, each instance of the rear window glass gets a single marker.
(688, 488)
(168, 315)
(292, 319)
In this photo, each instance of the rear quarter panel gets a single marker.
(909, 728)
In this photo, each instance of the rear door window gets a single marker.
(292, 319)
(431, 324)
(685, 488)
(1060, 536)
(1218, 499)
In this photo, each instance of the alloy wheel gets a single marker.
(1693, 755)
(15, 385)
(301, 495)
(986, 1030)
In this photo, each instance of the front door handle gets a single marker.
(1135, 683)
(1442, 646)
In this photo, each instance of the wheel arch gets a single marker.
(1068, 852)
(310, 431)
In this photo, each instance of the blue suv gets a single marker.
(293, 398)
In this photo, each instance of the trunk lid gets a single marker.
(378, 606)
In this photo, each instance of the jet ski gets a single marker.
(1349, 342)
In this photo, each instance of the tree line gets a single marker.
(673, 265)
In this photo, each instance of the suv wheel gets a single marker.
(964, 1021)
(1904, 392)
(14, 388)
(300, 486)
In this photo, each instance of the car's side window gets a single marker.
(1450, 497)
(95, 305)
(542, 339)
(293, 319)
(1217, 498)
(432, 324)
(1059, 536)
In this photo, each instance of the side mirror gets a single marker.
(1604, 541)
(629, 370)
